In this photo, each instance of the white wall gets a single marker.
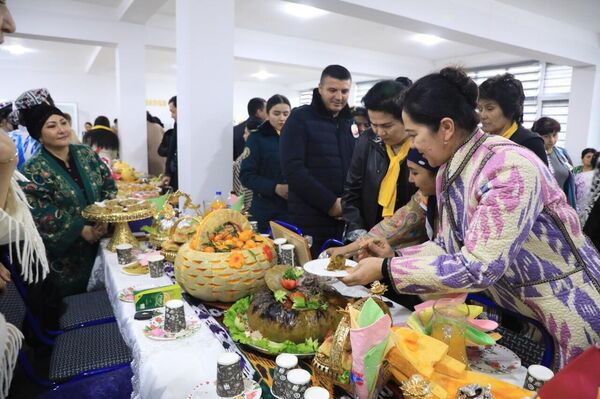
(94, 95)
(163, 87)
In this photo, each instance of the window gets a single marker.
(306, 97)
(546, 86)
(361, 89)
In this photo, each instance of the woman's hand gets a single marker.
(7, 151)
(367, 271)
(93, 233)
(282, 190)
(4, 277)
(346, 249)
(377, 247)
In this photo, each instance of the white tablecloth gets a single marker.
(161, 369)
(172, 369)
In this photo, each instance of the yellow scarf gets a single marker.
(103, 127)
(511, 130)
(388, 188)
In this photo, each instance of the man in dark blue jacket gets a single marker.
(256, 112)
(316, 149)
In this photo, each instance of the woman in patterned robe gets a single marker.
(63, 180)
(505, 225)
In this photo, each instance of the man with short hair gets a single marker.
(256, 111)
(316, 148)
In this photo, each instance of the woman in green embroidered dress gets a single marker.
(64, 179)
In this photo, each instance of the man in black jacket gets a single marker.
(169, 142)
(257, 112)
(316, 148)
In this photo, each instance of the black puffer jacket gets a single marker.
(368, 168)
(316, 150)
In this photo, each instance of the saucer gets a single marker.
(208, 390)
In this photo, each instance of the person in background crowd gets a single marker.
(377, 183)
(27, 146)
(5, 124)
(559, 162)
(583, 186)
(361, 119)
(7, 24)
(590, 211)
(238, 188)
(171, 177)
(102, 139)
(261, 170)
(154, 133)
(500, 104)
(256, 110)
(502, 217)
(74, 138)
(586, 161)
(316, 149)
(63, 179)
(87, 126)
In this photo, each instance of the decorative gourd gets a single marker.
(213, 267)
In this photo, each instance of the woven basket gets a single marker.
(208, 276)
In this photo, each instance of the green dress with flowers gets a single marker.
(57, 201)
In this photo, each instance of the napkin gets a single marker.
(370, 343)
(237, 203)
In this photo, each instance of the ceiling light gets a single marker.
(303, 11)
(428, 40)
(16, 49)
(262, 75)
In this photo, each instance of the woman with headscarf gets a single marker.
(501, 100)
(505, 226)
(103, 140)
(63, 179)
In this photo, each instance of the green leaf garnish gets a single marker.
(280, 296)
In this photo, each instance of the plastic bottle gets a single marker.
(218, 202)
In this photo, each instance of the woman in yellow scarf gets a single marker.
(378, 181)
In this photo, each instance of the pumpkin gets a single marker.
(214, 267)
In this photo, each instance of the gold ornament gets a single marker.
(416, 387)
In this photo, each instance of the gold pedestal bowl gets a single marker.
(122, 233)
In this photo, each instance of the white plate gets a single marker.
(154, 329)
(318, 267)
(495, 359)
(208, 390)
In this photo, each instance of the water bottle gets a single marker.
(217, 202)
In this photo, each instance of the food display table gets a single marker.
(176, 369)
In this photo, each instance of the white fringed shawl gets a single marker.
(16, 224)
(11, 340)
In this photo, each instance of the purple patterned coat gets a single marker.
(506, 227)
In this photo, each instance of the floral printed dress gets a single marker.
(57, 201)
(506, 227)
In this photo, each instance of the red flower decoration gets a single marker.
(268, 253)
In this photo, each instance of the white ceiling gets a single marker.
(582, 13)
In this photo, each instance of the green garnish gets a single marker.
(280, 296)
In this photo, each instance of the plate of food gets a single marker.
(336, 266)
(135, 269)
(126, 294)
(293, 314)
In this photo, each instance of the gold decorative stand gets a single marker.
(122, 234)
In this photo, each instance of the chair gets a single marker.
(289, 227)
(80, 310)
(528, 350)
(75, 354)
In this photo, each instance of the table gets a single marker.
(163, 370)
